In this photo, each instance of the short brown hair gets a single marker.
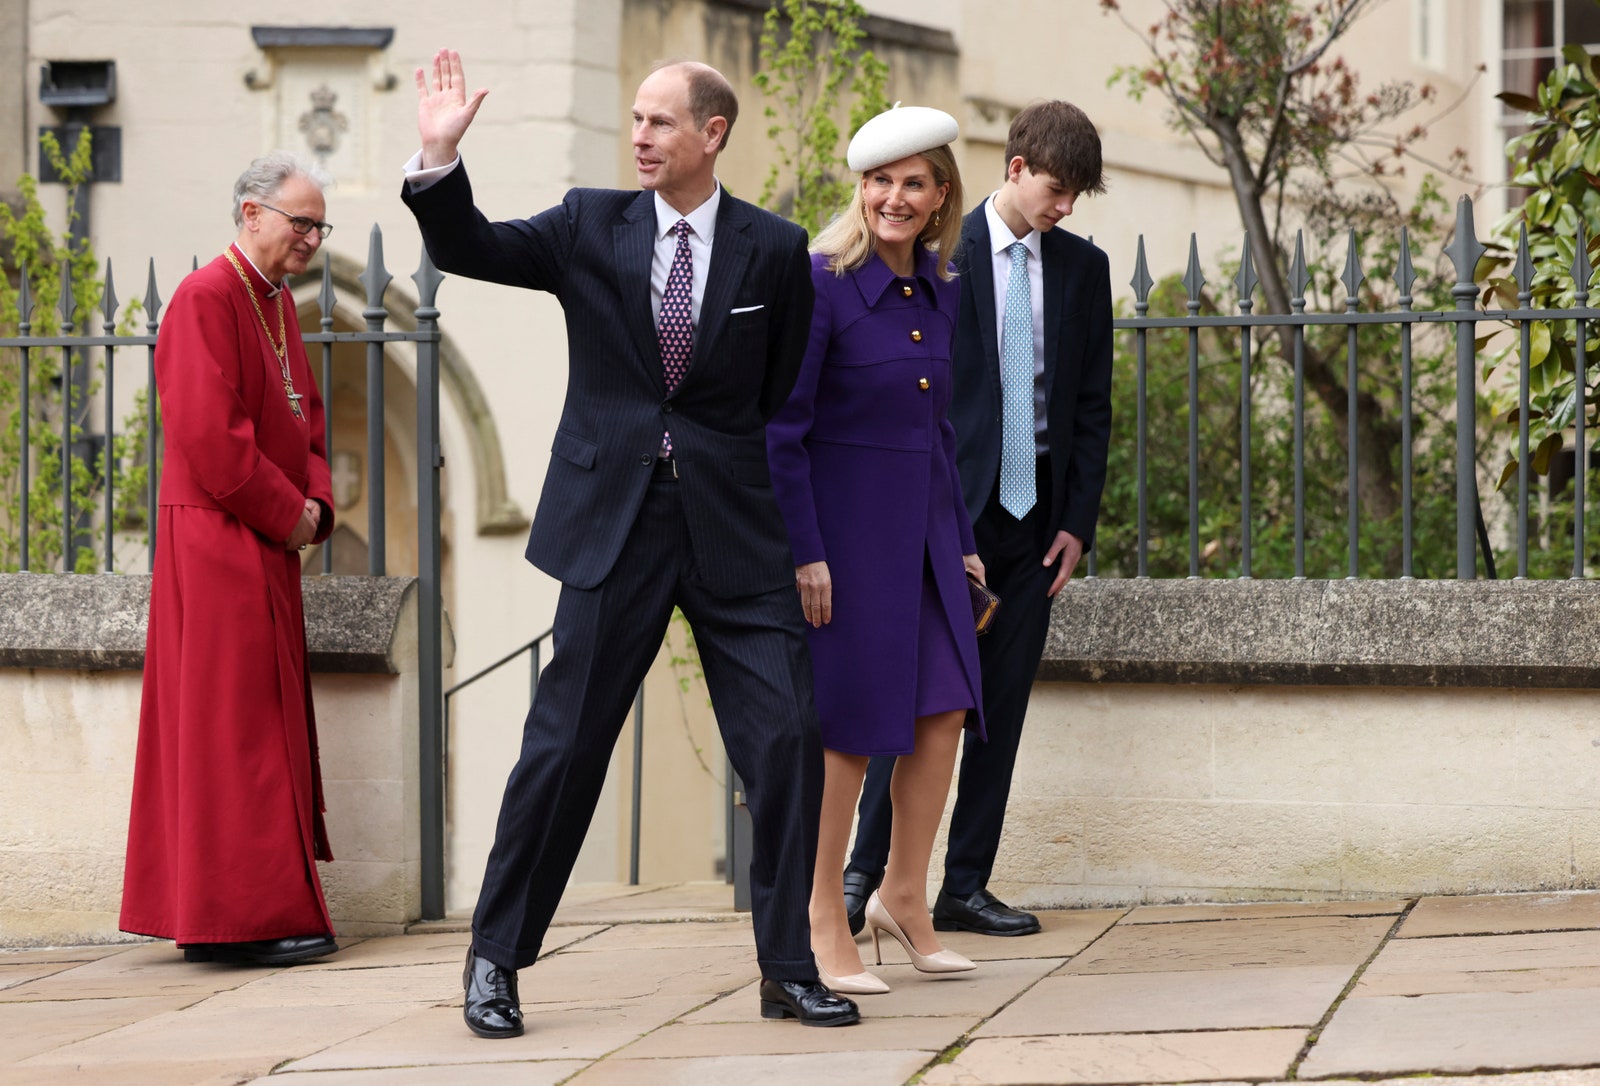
(711, 95)
(1058, 138)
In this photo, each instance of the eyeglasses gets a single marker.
(299, 223)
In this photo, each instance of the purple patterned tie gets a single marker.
(675, 329)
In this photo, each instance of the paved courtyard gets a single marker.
(657, 985)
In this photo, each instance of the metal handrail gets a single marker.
(637, 784)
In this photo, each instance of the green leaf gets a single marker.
(1539, 343)
(1540, 463)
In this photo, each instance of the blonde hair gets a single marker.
(848, 242)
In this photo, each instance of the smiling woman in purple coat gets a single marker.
(864, 469)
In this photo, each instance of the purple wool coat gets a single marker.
(863, 463)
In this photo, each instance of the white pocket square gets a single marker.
(745, 309)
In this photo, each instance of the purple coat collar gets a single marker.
(874, 277)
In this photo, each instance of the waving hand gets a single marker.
(444, 111)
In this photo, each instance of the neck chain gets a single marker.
(280, 347)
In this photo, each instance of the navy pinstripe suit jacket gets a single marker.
(593, 252)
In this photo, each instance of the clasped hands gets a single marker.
(305, 530)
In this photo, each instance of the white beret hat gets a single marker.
(902, 131)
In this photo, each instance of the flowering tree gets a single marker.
(1256, 86)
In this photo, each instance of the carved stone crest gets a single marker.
(322, 124)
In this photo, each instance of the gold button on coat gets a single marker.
(916, 336)
(922, 383)
(906, 290)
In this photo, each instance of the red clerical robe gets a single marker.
(226, 820)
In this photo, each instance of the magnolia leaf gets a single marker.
(1518, 101)
(1540, 463)
(1508, 473)
(1539, 343)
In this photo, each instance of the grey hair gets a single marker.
(265, 176)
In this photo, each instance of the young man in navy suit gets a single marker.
(687, 312)
(1032, 413)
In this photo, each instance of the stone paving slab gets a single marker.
(570, 977)
(411, 984)
(27, 1029)
(13, 975)
(143, 970)
(60, 954)
(977, 994)
(253, 1039)
(1499, 980)
(634, 904)
(1063, 933)
(1191, 1000)
(527, 1073)
(170, 1072)
(1169, 914)
(1233, 944)
(1502, 913)
(703, 933)
(885, 1068)
(437, 1038)
(759, 1037)
(1459, 1033)
(1488, 954)
(576, 1006)
(1151, 1057)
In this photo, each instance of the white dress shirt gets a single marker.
(702, 230)
(1000, 241)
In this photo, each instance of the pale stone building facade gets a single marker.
(202, 87)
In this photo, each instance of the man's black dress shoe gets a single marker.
(983, 913)
(286, 951)
(858, 886)
(808, 1001)
(492, 1008)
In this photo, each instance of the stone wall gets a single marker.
(1255, 740)
(70, 652)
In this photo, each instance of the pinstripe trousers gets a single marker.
(753, 653)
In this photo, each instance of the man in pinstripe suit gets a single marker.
(687, 312)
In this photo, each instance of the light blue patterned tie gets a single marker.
(1017, 466)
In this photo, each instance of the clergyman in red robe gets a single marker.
(226, 823)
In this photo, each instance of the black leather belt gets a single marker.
(666, 468)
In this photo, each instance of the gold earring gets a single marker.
(936, 218)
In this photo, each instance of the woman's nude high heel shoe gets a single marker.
(944, 961)
(862, 983)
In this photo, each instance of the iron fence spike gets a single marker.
(1298, 277)
(1247, 280)
(68, 303)
(1353, 275)
(376, 277)
(1405, 275)
(427, 277)
(108, 301)
(152, 297)
(1465, 250)
(1141, 281)
(1193, 278)
(1523, 269)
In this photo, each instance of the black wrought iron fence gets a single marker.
(78, 465)
(1289, 406)
(75, 458)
